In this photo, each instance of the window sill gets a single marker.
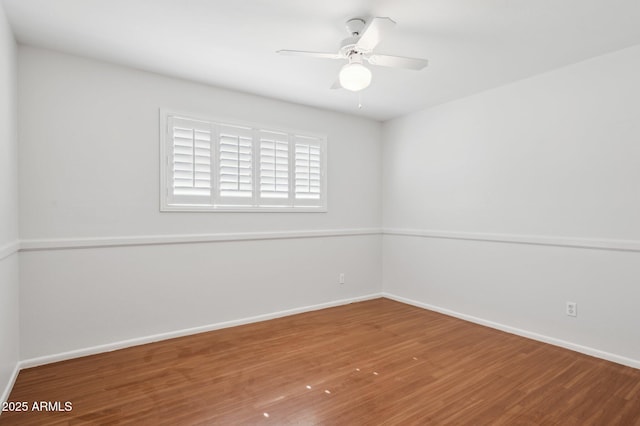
(242, 209)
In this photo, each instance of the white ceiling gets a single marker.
(472, 45)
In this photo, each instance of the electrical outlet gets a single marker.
(341, 278)
(572, 309)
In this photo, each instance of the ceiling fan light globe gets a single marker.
(355, 77)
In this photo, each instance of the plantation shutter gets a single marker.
(308, 185)
(235, 164)
(274, 167)
(208, 165)
(189, 161)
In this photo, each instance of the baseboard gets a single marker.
(524, 333)
(48, 359)
(7, 389)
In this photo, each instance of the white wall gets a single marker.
(9, 343)
(88, 130)
(554, 156)
(89, 170)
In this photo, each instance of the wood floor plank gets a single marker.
(369, 363)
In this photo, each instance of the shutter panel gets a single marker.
(190, 161)
(308, 169)
(235, 163)
(274, 167)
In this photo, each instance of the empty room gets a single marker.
(355, 212)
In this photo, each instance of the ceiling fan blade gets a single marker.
(310, 54)
(336, 85)
(374, 32)
(398, 62)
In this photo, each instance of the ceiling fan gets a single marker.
(358, 49)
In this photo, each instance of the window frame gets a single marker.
(255, 203)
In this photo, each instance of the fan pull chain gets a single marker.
(359, 100)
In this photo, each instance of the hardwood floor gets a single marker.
(369, 363)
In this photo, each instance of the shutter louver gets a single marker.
(191, 159)
(307, 168)
(274, 165)
(235, 162)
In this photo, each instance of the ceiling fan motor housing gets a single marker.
(348, 47)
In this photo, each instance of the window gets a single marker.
(207, 165)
